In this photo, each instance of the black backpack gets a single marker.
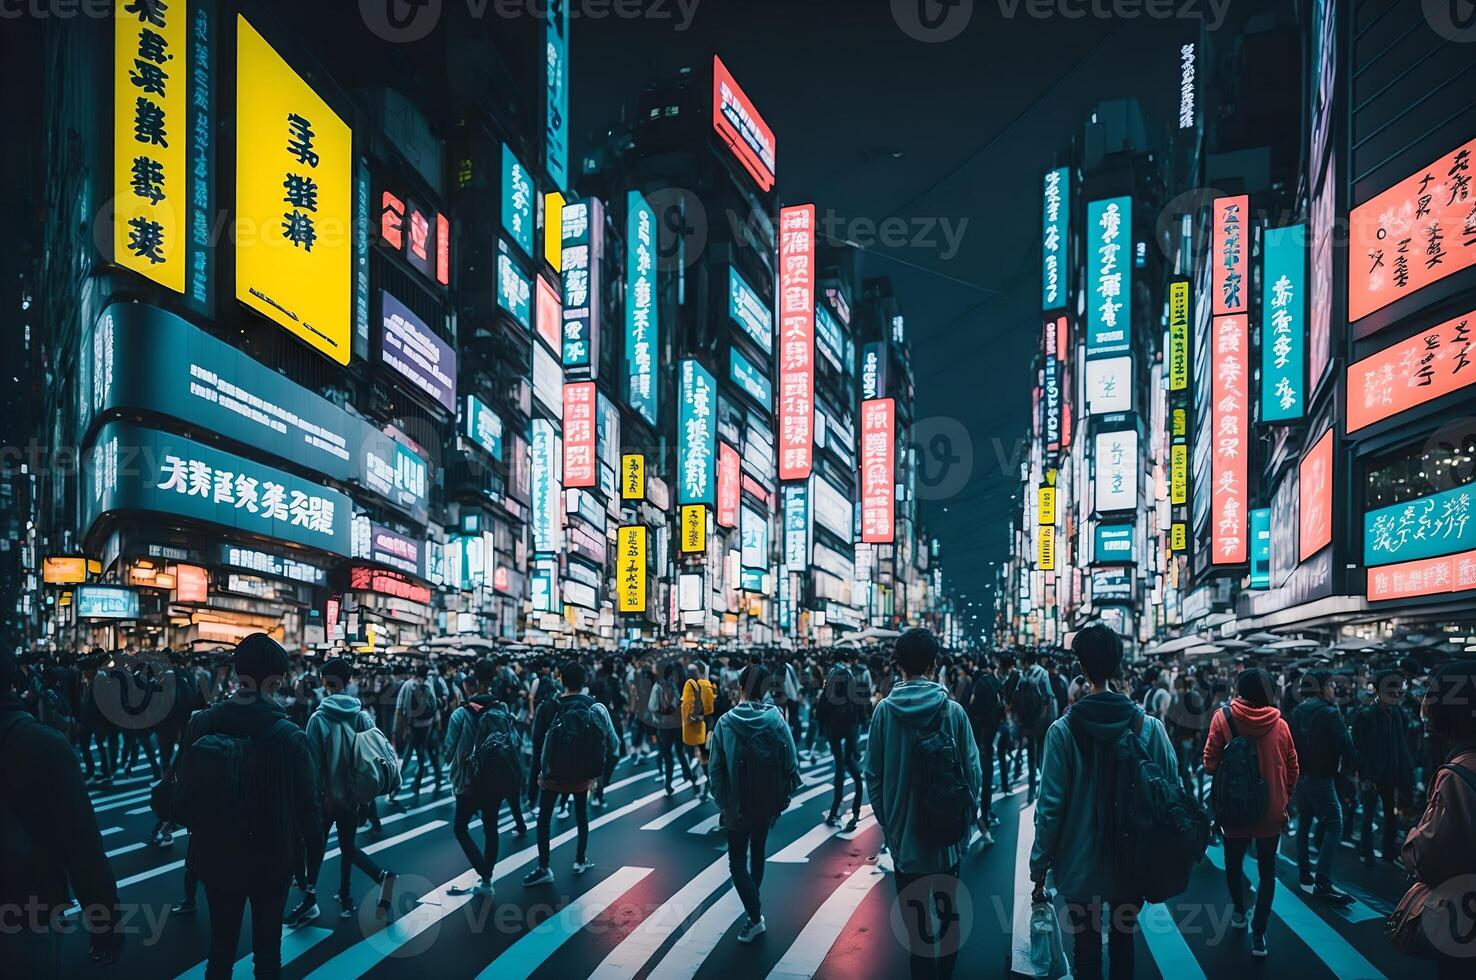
(211, 782)
(495, 764)
(838, 701)
(984, 700)
(1030, 703)
(422, 703)
(575, 743)
(940, 794)
(1156, 831)
(1239, 793)
(762, 793)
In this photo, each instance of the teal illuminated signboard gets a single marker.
(1284, 330)
(642, 315)
(1055, 225)
(697, 435)
(749, 378)
(517, 201)
(1114, 544)
(1260, 564)
(1109, 282)
(1427, 527)
(750, 312)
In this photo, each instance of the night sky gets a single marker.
(872, 123)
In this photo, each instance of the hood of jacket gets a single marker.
(914, 702)
(341, 707)
(750, 716)
(1254, 722)
(1103, 717)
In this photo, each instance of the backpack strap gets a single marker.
(1230, 721)
(1463, 773)
(1139, 720)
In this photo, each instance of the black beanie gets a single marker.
(259, 657)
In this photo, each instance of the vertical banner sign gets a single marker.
(547, 523)
(294, 206)
(696, 435)
(1051, 402)
(580, 469)
(1045, 553)
(632, 477)
(1179, 474)
(796, 526)
(1229, 430)
(1109, 276)
(517, 201)
(740, 126)
(549, 315)
(1315, 498)
(556, 101)
(874, 370)
(878, 470)
(1055, 225)
(1231, 255)
(728, 486)
(361, 258)
(150, 131)
(583, 247)
(1178, 335)
(630, 546)
(1115, 455)
(1415, 233)
(1045, 508)
(797, 341)
(1284, 333)
(1260, 562)
(199, 254)
(694, 529)
(1433, 363)
(642, 326)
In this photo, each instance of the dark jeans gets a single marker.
(843, 747)
(1085, 920)
(929, 910)
(227, 906)
(669, 746)
(30, 953)
(1002, 754)
(746, 864)
(423, 745)
(468, 806)
(984, 739)
(347, 822)
(1033, 745)
(1382, 792)
(1317, 796)
(1235, 848)
(545, 821)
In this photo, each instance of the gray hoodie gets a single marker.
(330, 733)
(895, 727)
(736, 726)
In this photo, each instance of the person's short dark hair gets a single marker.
(753, 681)
(573, 675)
(1098, 649)
(1314, 682)
(259, 658)
(1388, 682)
(1255, 687)
(916, 651)
(422, 670)
(1029, 657)
(1451, 701)
(485, 671)
(340, 672)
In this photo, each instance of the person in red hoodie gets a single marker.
(1257, 718)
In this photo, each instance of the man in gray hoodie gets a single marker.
(748, 834)
(927, 876)
(1071, 838)
(330, 735)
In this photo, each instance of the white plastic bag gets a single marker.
(1045, 939)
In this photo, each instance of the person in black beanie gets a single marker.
(246, 785)
(50, 848)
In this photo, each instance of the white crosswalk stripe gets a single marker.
(810, 947)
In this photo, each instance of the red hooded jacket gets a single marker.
(1277, 754)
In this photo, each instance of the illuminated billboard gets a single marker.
(1431, 364)
(729, 485)
(1427, 576)
(581, 468)
(517, 201)
(696, 434)
(746, 309)
(482, 426)
(1109, 236)
(796, 407)
(1055, 238)
(547, 520)
(1260, 556)
(415, 353)
(630, 583)
(642, 315)
(750, 379)
(1284, 335)
(1116, 458)
(740, 126)
(1315, 505)
(1426, 527)
(549, 314)
(878, 470)
(1230, 255)
(1113, 544)
(1109, 385)
(556, 95)
(1229, 434)
(1178, 345)
(583, 248)
(294, 210)
(514, 289)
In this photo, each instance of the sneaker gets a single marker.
(752, 930)
(670, 791)
(994, 820)
(521, 831)
(1258, 944)
(580, 867)
(538, 876)
(852, 823)
(986, 839)
(1306, 879)
(1237, 919)
(482, 887)
(564, 809)
(1330, 895)
(305, 912)
(187, 907)
(386, 894)
(832, 821)
(346, 907)
(598, 803)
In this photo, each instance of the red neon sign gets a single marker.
(1231, 424)
(1427, 366)
(878, 470)
(728, 485)
(550, 314)
(1427, 576)
(1231, 254)
(796, 341)
(1315, 503)
(443, 250)
(741, 127)
(362, 578)
(579, 434)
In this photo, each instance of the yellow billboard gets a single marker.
(63, 570)
(632, 477)
(294, 210)
(553, 229)
(694, 529)
(1178, 474)
(630, 545)
(1045, 554)
(150, 74)
(1046, 505)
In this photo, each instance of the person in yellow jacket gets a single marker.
(699, 697)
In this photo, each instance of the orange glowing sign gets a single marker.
(878, 470)
(1231, 256)
(1427, 576)
(741, 127)
(796, 407)
(1415, 233)
(191, 584)
(1230, 434)
(1315, 504)
(580, 468)
(1429, 365)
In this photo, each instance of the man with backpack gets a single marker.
(486, 771)
(665, 706)
(416, 710)
(1384, 761)
(754, 773)
(838, 714)
(1253, 760)
(578, 740)
(923, 779)
(1034, 705)
(1113, 823)
(1322, 744)
(355, 764)
(985, 709)
(246, 786)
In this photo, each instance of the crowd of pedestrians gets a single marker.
(1132, 771)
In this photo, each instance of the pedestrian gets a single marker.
(985, 709)
(578, 740)
(1034, 706)
(416, 711)
(1322, 746)
(332, 734)
(1074, 834)
(754, 773)
(246, 786)
(698, 699)
(486, 771)
(922, 776)
(1383, 759)
(665, 707)
(50, 847)
(838, 718)
(1254, 733)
